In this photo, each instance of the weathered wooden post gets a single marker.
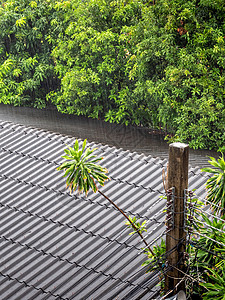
(177, 182)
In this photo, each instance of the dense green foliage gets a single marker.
(92, 57)
(216, 184)
(26, 66)
(157, 63)
(181, 60)
(206, 257)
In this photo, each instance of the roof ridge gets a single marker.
(119, 151)
(131, 154)
(57, 164)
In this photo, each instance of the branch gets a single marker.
(133, 225)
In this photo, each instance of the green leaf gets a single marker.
(21, 22)
(84, 145)
(76, 146)
(67, 157)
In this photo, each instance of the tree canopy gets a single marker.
(151, 63)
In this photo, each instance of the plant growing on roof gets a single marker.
(81, 169)
(83, 174)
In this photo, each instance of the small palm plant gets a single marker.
(81, 170)
(216, 185)
(83, 174)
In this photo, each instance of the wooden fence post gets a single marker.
(177, 178)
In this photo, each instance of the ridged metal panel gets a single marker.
(60, 246)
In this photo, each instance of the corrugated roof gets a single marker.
(60, 246)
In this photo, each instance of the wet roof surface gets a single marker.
(60, 246)
(138, 139)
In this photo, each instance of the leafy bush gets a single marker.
(180, 69)
(216, 286)
(92, 56)
(216, 184)
(26, 67)
(157, 64)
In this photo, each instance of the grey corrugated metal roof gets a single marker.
(60, 246)
(139, 139)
